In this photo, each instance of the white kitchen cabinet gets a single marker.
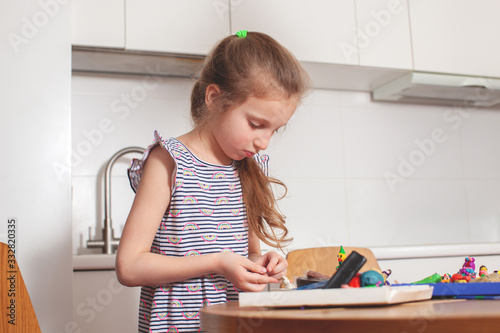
(176, 26)
(383, 34)
(101, 304)
(320, 31)
(98, 23)
(456, 36)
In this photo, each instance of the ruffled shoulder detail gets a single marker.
(263, 161)
(137, 165)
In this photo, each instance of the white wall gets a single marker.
(335, 156)
(35, 92)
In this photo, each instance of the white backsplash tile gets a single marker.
(419, 212)
(324, 97)
(316, 212)
(311, 144)
(480, 132)
(98, 132)
(334, 156)
(407, 142)
(483, 198)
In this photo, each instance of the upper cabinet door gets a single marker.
(176, 26)
(456, 36)
(316, 30)
(98, 23)
(383, 33)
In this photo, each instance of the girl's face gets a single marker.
(246, 129)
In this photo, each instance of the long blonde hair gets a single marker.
(259, 66)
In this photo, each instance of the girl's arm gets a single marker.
(137, 266)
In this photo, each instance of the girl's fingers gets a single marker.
(277, 265)
(263, 279)
(281, 267)
(255, 282)
(272, 264)
(255, 268)
(278, 276)
(257, 277)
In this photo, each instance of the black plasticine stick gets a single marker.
(349, 268)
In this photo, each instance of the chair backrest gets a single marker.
(18, 314)
(324, 260)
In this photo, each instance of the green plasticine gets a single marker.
(434, 278)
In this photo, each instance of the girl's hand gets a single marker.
(274, 263)
(245, 274)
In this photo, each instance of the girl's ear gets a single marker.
(211, 95)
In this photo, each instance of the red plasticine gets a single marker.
(356, 281)
(456, 277)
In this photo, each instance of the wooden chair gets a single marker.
(324, 260)
(17, 311)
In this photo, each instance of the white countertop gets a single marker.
(107, 261)
(85, 262)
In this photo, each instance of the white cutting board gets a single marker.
(337, 297)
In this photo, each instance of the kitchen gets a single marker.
(416, 182)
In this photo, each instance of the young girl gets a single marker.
(203, 200)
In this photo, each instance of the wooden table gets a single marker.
(427, 316)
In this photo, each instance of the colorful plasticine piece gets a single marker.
(466, 274)
(483, 271)
(355, 281)
(372, 278)
(287, 284)
(386, 274)
(340, 257)
(445, 278)
(434, 278)
(458, 278)
(468, 268)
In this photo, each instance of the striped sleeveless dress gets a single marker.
(206, 215)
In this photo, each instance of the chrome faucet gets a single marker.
(109, 242)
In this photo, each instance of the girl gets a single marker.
(203, 200)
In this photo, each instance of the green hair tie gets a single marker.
(241, 34)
